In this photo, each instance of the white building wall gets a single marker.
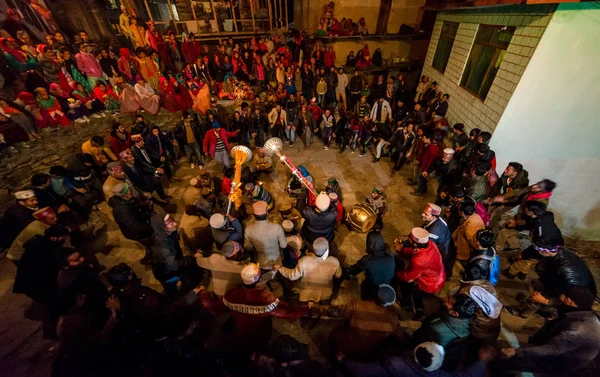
(551, 124)
(464, 107)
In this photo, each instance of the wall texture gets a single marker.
(307, 13)
(551, 122)
(530, 22)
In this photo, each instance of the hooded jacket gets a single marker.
(482, 326)
(167, 256)
(378, 265)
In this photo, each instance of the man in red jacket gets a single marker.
(216, 144)
(425, 273)
(429, 155)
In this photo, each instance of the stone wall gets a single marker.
(530, 22)
(58, 148)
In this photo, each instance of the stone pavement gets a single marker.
(24, 351)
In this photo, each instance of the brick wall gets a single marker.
(464, 107)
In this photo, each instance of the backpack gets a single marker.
(494, 274)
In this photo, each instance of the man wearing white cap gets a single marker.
(317, 271)
(425, 273)
(320, 220)
(226, 228)
(438, 229)
(293, 250)
(225, 267)
(17, 217)
(192, 193)
(251, 308)
(446, 170)
(425, 361)
(265, 238)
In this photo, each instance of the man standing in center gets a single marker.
(264, 237)
(216, 144)
(316, 271)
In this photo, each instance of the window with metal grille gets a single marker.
(485, 58)
(444, 46)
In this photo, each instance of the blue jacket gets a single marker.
(440, 235)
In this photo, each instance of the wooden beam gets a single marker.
(172, 15)
(280, 14)
(270, 16)
(252, 13)
(287, 21)
(148, 10)
(233, 15)
(193, 13)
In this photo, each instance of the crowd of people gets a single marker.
(235, 261)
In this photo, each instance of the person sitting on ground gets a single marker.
(317, 271)
(226, 228)
(264, 163)
(426, 360)
(378, 265)
(377, 201)
(558, 268)
(194, 231)
(562, 347)
(454, 322)
(44, 219)
(540, 223)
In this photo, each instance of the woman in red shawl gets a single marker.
(42, 118)
(157, 42)
(183, 100)
(329, 57)
(126, 66)
(167, 95)
(365, 60)
(187, 49)
(51, 105)
(106, 95)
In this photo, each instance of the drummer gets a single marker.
(377, 201)
(257, 193)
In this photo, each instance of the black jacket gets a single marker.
(483, 260)
(562, 346)
(15, 219)
(132, 218)
(141, 175)
(544, 225)
(141, 159)
(167, 256)
(355, 84)
(332, 81)
(566, 268)
(38, 270)
(520, 181)
(317, 224)
(180, 135)
(378, 264)
(449, 174)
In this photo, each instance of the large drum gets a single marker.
(361, 217)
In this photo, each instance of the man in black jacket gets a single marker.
(538, 222)
(332, 81)
(240, 124)
(483, 256)
(557, 269)
(564, 346)
(378, 266)
(133, 218)
(189, 137)
(446, 170)
(318, 221)
(17, 217)
(156, 146)
(259, 127)
(355, 87)
(143, 175)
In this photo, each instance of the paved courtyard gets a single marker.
(24, 351)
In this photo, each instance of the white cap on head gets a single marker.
(420, 235)
(449, 151)
(434, 208)
(25, 194)
(287, 225)
(250, 274)
(194, 182)
(437, 355)
(217, 221)
(333, 196)
(320, 246)
(323, 202)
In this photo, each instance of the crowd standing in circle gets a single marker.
(221, 267)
